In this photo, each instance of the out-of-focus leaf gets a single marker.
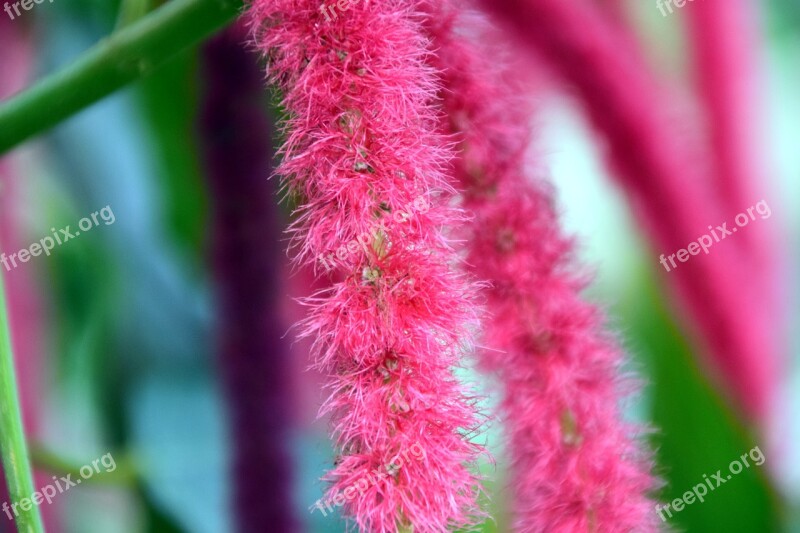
(697, 434)
(784, 17)
(100, 15)
(160, 319)
(157, 521)
(82, 287)
(169, 100)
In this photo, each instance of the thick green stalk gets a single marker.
(126, 55)
(16, 463)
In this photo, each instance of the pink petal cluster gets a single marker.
(362, 146)
(576, 465)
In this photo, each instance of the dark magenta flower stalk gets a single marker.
(666, 182)
(255, 358)
(576, 466)
(364, 157)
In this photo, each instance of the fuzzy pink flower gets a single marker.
(363, 155)
(576, 465)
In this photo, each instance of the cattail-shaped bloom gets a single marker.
(364, 157)
(667, 183)
(576, 465)
(255, 358)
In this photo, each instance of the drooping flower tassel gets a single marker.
(728, 60)
(666, 184)
(724, 44)
(576, 466)
(364, 157)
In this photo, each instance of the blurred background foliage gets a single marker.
(131, 314)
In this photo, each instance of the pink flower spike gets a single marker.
(725, 42)
(667, 186)
(363, 155)
(576, 466)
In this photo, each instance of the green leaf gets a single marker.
(697, 433)
(170, 103)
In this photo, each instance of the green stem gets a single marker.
(125, 56)
(16, 463)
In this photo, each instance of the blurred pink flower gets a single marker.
(576, 465)
(729, 67)
(667, 182)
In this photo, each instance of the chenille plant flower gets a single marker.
(576, 465)
(362, 146)
(667, 182)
